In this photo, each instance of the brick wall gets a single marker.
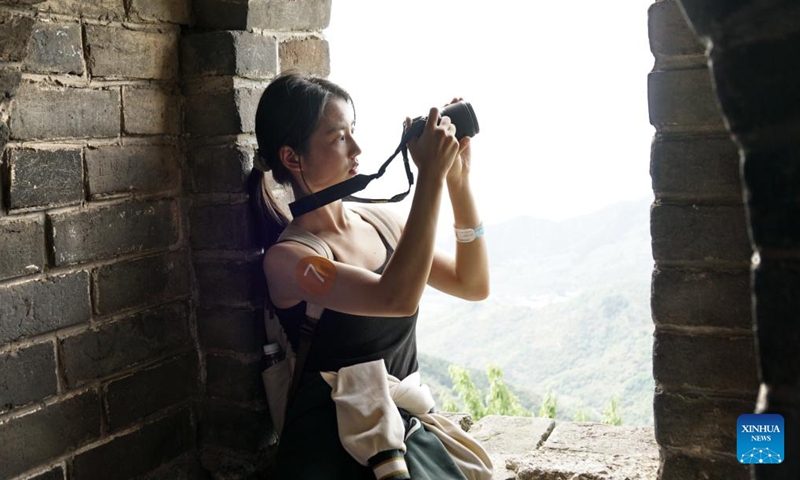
(704, 359)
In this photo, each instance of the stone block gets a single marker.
(773, 190)
(698, 420)
(39, 113)
(233, 426)
(229, 284)
(172, 11)
(234, 53)
(140, 282)
(15, 30)
(512, 435)
(672, 41)
(220, 169)
(139, 452)
(227, 112)
(40, 306)
(682, 100)
(132, 168)
(56, 473)
(10, 78)
(27, 375)
(112, 347)
(55, 48)
(147, 391)
(702, 298)
(234, 379)
(310, 55)
(115, 52)
(681, 466)
(41, 178)
(227, 227)
(151, 111)
(54, 430)
(706, 362)
(695, 167)
(92, 9)
(691, 233)
(238, 330)
(22, 249)
(105, 232)
(283, 15)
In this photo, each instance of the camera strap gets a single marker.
(344, 190)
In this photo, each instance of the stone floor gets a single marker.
(524, 448)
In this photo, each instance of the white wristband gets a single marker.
(467, 235)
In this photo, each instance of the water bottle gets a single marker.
(272, 355)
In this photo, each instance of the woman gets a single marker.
(371, 289)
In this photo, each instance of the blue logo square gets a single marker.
(759, 438)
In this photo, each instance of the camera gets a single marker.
(461, 115)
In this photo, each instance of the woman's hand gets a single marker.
(460, 168)
(436, 149)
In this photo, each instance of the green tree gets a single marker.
(611, 414)
(466, 389)
(580, 416)
(549, 405)
(499, 399)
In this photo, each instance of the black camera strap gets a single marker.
(344, 190)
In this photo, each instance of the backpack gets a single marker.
(282, 379)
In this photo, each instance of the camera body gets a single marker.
(461, 115)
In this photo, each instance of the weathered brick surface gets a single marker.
(151, 111)
(93, 9)
(691, 297)
(233, 284)
(699, 233)
(55, 48)
(683, 99)
(31, 440)
(233, 426)
(57, 473)
(707, 362)
(147, 391)
(45, 178)
(139, 452)
(184, 467)
(698, 420)
(173, 11)
(222, 227)
(290, 15)
(39, 113)
(222, 113)
(309, 55)
(695, 167)
(109, 348)
(244, 54)
(10, 79)
(22, 247)
(677, 466)
(41, 306)
(15, 29)
(220, 169)
(141, 282)
(238, 330)
(120, 53)
(234, 379)
(134, 168)
(27, 375)
(93, 233)
(671, 37)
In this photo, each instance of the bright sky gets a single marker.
(559, 89)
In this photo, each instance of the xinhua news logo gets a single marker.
(759, 438)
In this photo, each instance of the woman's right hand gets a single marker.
(436, 149)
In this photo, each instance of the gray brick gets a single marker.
(243, 54)
(116, 52)
(56, 473)
(31, 440)
(115, 169)
(151, 111)
(699, 233)
(15, 29)
(672, 41)
(698, 298)
(132, 398)
(10, 78)
(683, 100)
(239, 330)
(93, 9)
(112, 347)
(45, 178)
(310, 55)
(222, 227)
(266, 14)
(222, 113)
(104, 232)
(220, 169)
(186, 467)
(42, 306)
(172, 11)
(233, 426)
(718, 363)
(27, 375)
(39, 113)
(680, 466)
(137, 453)
(55, 48)
(234, 379)
(22, 249)
(229, 284)
(141, 282)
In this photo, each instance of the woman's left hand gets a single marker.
(461, 165)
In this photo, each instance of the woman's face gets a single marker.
(332, 151)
